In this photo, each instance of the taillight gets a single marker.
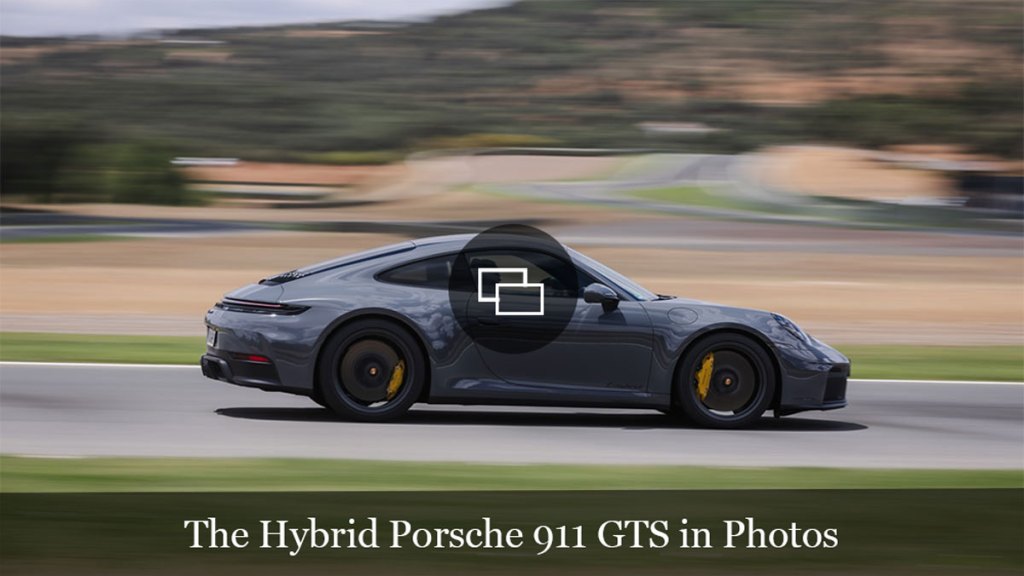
(254, 358)
(258, 307)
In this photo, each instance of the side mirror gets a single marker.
(597, 293)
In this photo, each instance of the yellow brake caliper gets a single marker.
(704, 375)
(397, 377)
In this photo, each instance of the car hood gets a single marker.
(688, 311)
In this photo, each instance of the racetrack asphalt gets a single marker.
(81, 410)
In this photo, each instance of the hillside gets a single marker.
(560, 72)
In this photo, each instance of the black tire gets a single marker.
(358, 364)
(319, 399)
(741, 384)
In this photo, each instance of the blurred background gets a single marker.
(856, 166)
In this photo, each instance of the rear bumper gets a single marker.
(242, 373)
(286, 340)
(216, 368)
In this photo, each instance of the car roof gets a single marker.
(458, 241)
(452, 239)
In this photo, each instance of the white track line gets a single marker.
(981, 382)
(196, 367)
(100, 365)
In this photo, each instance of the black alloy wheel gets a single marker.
(725, 381)
(371, 371)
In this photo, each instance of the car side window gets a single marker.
(429, 273)
(554, 273)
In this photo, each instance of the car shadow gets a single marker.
(630, 421)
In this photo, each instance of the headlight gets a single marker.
(791, 327)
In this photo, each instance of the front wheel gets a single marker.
(725, 381)
(371, 371)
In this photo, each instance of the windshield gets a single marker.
(630, 287)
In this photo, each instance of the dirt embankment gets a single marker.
(164, 285)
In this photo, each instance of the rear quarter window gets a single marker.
(428, 273)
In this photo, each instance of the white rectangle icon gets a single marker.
(480, 281)
(523, 283)
(540, 298)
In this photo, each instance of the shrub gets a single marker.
(489, 141)
(47, 163)
(353, 158)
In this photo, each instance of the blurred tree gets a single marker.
(31, 159)
(142, 173)
(48, 163)
(584, 72)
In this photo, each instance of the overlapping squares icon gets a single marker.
(522, 289)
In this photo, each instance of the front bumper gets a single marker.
(813, 376)
(824, 390)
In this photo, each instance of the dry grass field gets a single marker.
(854, 298)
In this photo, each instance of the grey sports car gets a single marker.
(513, 320)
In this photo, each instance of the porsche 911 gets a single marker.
(450, 320)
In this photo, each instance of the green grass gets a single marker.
(45, 347)
(1003, 363)
(354, 157)
(999, 363)
(65, 238)
(20, 474)
(690, 196)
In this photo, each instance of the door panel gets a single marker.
(597, 350)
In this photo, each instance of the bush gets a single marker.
(143, 174)
(489, 141)
(31, 160)
(53, 164)
(353, 158)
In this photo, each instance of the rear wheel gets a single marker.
(725, 381)
(371, 371)
(319, 399)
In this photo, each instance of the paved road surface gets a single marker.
(144, 411)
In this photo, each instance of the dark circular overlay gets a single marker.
(513, 289)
